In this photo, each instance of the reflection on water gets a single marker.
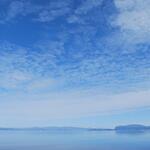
(91, 140)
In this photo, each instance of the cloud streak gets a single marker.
(71, 105)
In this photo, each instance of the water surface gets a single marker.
(83, 140)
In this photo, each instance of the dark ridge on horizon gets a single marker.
(55, 129)
(131, 127)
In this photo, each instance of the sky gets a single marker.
(83, 63)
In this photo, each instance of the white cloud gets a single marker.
(13, 59)
(42, 84)
(134, 19)
(47, 107)
(53, 10)
(103, 62)
(23, 69)
(41, 13)
(82, 10)
(16, 9)
(77, 60)
(13, 79)
(88, 5)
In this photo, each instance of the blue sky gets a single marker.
(74, 62)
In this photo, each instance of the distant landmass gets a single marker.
(133, 127)
(56, 129)
(45, 129)
(122, 128)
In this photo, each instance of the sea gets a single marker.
(74, 140)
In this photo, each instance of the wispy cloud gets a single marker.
(49, 12)
(11, 68)
(88, 5)
(133, 19)
(41, 13)
(78, 15)
(85, 52)
(54, 10)
(47, 108)
(16, 9)
(21, 68)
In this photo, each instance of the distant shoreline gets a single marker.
(128, 128)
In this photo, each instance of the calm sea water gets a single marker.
(93, 140)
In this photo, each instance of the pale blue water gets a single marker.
(93, 140)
